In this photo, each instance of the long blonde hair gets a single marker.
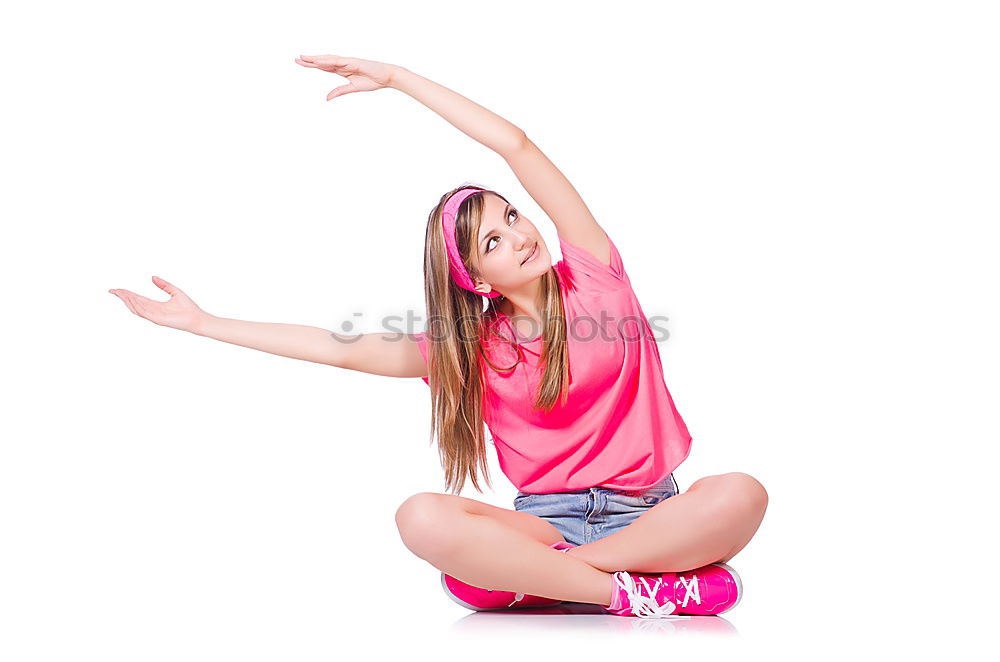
(457, 326)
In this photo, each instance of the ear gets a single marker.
(483, 287)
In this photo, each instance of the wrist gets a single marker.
(201, 324)
(396, 75)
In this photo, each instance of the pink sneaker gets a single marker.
(484, 599)
(710, 590)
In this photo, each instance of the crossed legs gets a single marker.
(495, 548)
(492, 547)
(712, 521)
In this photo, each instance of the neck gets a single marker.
(524, 302)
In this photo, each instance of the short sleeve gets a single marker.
(421, 340)
(587, 271)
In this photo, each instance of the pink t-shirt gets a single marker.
(618, 428)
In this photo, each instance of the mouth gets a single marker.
(534, 252)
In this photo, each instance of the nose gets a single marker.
(518, 239)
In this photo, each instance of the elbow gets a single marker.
(517, 143)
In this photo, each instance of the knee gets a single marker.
(422, 520)
(736, 495)
(745, 492)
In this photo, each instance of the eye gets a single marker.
(512, 212)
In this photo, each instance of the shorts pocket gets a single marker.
(654, 495)
(522, 500)
(620, 502)
(661, 491)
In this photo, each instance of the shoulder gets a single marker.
(582, 266)
(591, 239)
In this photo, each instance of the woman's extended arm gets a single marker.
(388, 354)
(480, 124)
(543, 181)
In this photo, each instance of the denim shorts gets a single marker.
(583, 516)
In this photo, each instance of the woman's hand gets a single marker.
(180, 312)
(363, 75)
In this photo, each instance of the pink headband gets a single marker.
(448, 217)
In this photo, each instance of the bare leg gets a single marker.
(494, 548)
(710, 522)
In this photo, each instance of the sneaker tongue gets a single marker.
(562, 545)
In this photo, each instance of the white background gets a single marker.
(807, 190)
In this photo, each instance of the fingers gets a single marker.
(126, 299)
(333, 63)
(336, 92)
(313, 60)
(120, 293)
(323, 59)
(165, 286)
(137, 303)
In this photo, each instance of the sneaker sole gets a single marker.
(444, 585)
(455, 598)
(739, 587)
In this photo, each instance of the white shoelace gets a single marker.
(690, 590)
(517, 598)
(645, 605)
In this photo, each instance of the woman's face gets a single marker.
(509, 252)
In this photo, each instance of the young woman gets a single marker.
(561, 366)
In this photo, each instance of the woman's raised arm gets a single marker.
(480, 124)
(543, 181)
(466, 115)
